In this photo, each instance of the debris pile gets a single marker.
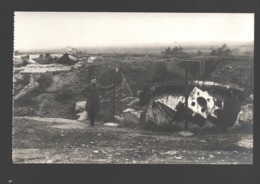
(83, 116)
(42, 69)
(132, 115)
(22, 60)
(246, 142)
(80, 106)
(245, 116)
(67, 59)
(111, 124)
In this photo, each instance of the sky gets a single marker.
(45, 30)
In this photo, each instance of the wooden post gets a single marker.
(114, 96)
(91, 72)
(120, 89)
(164, 75)
(186, 93)
(202, 69)
(127, 84)
(114, 101)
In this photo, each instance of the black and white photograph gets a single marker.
(133, 88)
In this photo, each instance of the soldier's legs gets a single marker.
(92, 117)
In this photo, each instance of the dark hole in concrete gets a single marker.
(202, 101)
(193, 103)
(203, 110)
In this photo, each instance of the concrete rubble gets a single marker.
(18, 77)
(77, 65)
(83, 116)
(33, 84)
(42, 69)
(23, 60)
(163, 109)
(246, 142)
(18, 61)
(111, 124)
(186, 133)
(245, 116)
(119, 119)
(251, 97)
(132, 115)
(171, 152)
(35, 70)
(80, 105)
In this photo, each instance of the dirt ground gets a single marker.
(56, 140)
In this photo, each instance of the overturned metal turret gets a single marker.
(207, 101)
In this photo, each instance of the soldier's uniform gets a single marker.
(93, 99)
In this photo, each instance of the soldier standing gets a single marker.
(92, 91)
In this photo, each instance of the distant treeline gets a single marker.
(153, 50)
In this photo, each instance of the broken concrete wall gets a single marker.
(83, 116)
(48, 78)
(42, 69)
(171, 101)
(33, 85)
(245, 116)
(80, 106)
(162, 109)
(132, 116)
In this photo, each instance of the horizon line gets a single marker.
(177, 43)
